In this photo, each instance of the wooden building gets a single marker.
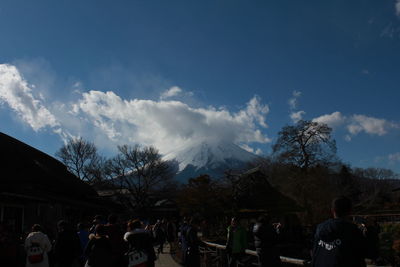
(36, 188)
(255, 195)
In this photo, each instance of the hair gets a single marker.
(98, 217)
(82, 226)
(36, 228)
(112, 218)
(134, 224)
(236, 219)
(62, 224)
(100, 229)
(265, 218)
(341, 206)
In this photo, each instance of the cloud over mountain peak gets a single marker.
(109, 119)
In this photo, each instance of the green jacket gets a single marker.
(236, 240)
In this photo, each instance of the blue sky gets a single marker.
(168, 73)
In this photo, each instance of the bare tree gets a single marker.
(377, 173)
(305, 144)
(81, 158)
(140, 171)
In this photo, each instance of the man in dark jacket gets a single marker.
(67, 247)
(182, 238)
(338, 242)
(192, 253)
(115, 235)
(266, 243)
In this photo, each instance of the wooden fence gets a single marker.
(214, 255)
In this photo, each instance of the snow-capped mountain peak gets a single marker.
(210, 155)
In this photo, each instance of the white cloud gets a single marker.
(107, 119)
(19, 95)
(251, 150)
(256, 110)
(168, 124)
(171, 92)
(365, 72)
(391, 30)
(397, 6)
(356, 124)
(293, 101)
(369, 125)
(394, 158)
(332, 120)
(297, 116)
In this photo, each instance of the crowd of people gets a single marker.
(103, 243)
(337, 242)
(110, 243)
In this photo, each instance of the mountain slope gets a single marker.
(209, 157)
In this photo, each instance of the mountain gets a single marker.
(209, 157)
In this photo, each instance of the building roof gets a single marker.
(28, 171)
(258, 194)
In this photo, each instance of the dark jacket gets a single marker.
(266, 243)
(115, 235)
(67, 248)
(183, 231)
(192, 253)
(339, 243)
(98, 252)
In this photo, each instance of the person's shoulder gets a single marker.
(329, 222)
(36, 234)
(257, 227)
(127, 235)
(31, 234)
(43, 235)
(324, 225)
(136, 233)
(345, 224)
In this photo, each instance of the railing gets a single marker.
(215, 255)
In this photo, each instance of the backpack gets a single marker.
(35, 253)
(137, 258)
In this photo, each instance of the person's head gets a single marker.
(97, 219)
(263, 219)
(134, 224)
(36, 228)
(112, 219)
(186, 220)
(341, 207)
(62, 226)
(82, 226)
(194, 221)
(100, 230)
(234, 221)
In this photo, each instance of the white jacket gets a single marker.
(44, 243)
